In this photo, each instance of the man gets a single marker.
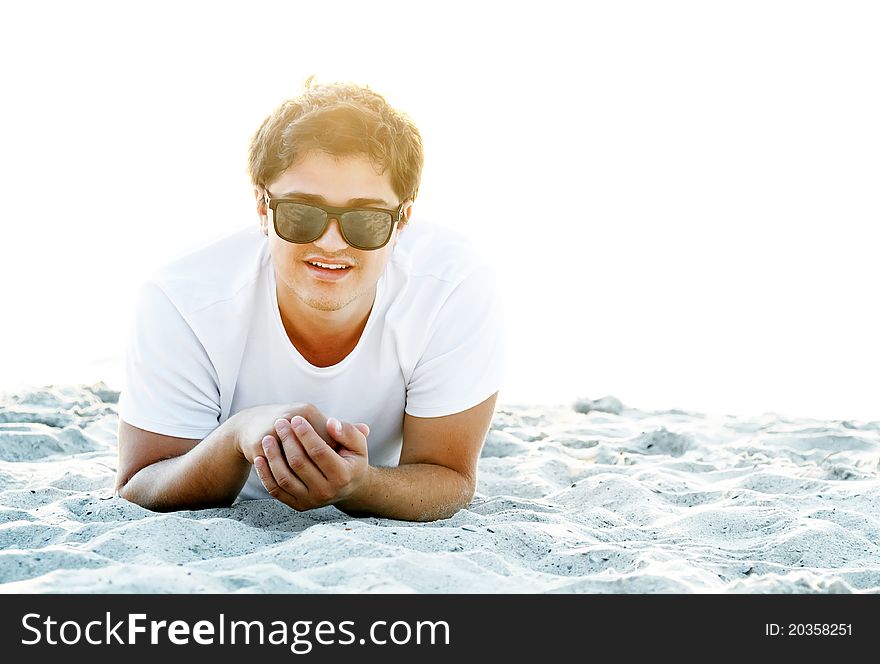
(331, 355)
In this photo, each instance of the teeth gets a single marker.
(330, 267)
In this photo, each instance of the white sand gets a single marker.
(634, 502)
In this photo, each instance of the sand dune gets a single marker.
(602, 499)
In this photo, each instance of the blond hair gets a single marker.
(341, 119)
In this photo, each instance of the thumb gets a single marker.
(363, 428)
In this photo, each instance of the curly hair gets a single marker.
(341, 119)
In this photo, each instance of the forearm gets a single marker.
(411, 492)
(211, 474)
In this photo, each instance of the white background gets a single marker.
(681, 197)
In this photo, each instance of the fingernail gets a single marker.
(266, 443)
(297, 422)
(334, 424)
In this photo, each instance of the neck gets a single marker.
(324, 337)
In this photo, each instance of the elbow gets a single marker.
(467, 495)
(120, 486)
(126, 487)
(137, 493)
(125, 473)
(463, 496)
(469, 488)
(127, 490)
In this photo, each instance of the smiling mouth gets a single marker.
(328, 272)
(329, 266)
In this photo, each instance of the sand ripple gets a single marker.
(606, 500)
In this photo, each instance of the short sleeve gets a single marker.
(463, 361)
(170, 385)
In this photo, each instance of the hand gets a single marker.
(253, 424)
(305, 472)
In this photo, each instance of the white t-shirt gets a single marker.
(207, 341)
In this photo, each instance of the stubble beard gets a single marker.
(328, 302)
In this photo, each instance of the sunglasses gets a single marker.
(302, 223)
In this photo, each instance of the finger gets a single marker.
(330, 464)
(351, 436)
(282, 474)
(265, 474)
(318, 426)
(268, 480)
(298, 458)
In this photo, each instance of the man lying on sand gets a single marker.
(334, 354)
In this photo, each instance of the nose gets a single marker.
(331, 241)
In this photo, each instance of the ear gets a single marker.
(404, 220)
(407, 214)
(262, 209)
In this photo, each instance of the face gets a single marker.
(336, 182)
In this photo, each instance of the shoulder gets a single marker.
(213, 272)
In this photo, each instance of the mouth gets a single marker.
(328, 271)
(329, 266)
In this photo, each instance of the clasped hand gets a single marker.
(303, 470)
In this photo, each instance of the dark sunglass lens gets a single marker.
(367, 229)
(297, 222)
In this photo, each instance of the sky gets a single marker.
(681, 198)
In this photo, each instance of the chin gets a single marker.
(324, 303)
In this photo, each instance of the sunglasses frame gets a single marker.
(335, 213)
